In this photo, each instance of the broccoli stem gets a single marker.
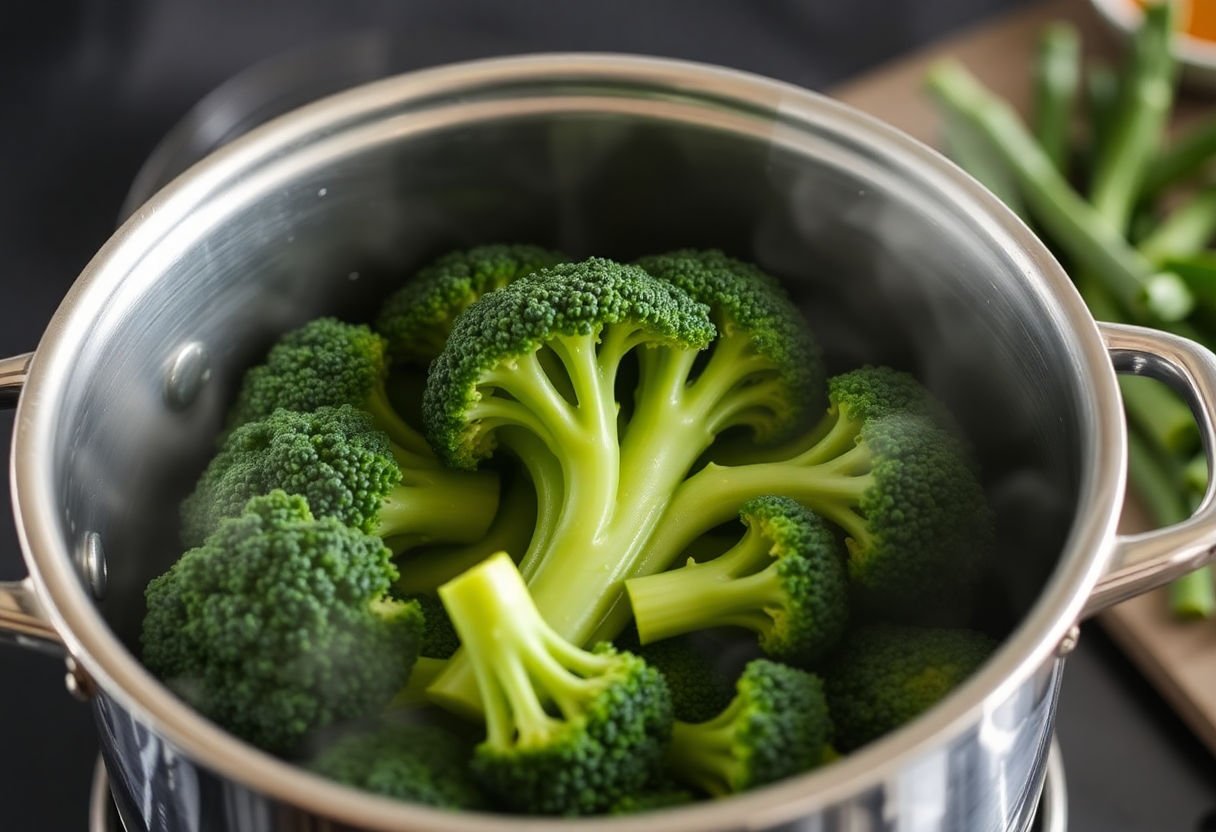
(1057, 77)
(499, 631)
(1084, 233)
(1184, 232)
(518, 660)
(510, 532)
(388, 420)
(615, 490)
(458, 506)
(1146, 93)
(732, 590)
(713, 495)
(1178, 162)
(704, 754)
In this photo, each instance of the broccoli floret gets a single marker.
(414, 762)
(346, 468)
(417, 318)
(439, 639)
(604, 487)
(326, 363)
(885, 675)
(883, 467)
(776, 726)
(568, 731)
(651, 800)
(785, 580)
(764, 353)
(699, 687)
(280, 624)
(427, 567)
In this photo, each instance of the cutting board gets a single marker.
(1179, 658)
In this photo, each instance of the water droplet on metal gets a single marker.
(189, 372)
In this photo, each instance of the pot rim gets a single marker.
(121, 676)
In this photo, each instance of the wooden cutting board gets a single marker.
(1179, 658)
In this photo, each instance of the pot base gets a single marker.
(1051, 816)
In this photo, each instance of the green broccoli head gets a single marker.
(776, 726)
(920, 531)
(280, 624)
(888, 467)
(417, 318)
(589, 314)
(785, 580)
(885, 675)
(765, 363)
(325, 363)
(346, 468)
(892, 470)
(334, 457)
(700, 687)
(414, 762)
(568, 731)
(439, 639)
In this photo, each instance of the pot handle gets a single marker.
(22, 618)
(1146, 561)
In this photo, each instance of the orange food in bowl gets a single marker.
(1196, 17)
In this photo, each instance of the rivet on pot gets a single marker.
(91, 565)
(189, 372)
(1069, 642)
(78, 683)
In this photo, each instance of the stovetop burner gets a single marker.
(1052, 815)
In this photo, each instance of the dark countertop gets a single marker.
(89, 86)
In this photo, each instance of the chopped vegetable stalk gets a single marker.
(1184, 158)
(1057, 77)
(1159, 481)
(1146, 93)
(1185, 232)
(1078, 228)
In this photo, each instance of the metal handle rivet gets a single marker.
(91, 565)
(78, 683)
(1069, 642)
(189, 371)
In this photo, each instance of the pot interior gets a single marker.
(889, 262)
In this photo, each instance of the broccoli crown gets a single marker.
(417, 318)
(927, 524)
(748, 305)
(885, 675)
(279, 624)
(571, 299)
(776, 726)
(439, 639)
(810, 573)
(568, 731)
(333, 456)
(875, 392)
(699, 687)
(418, 763)
(325, 362)
(889, 466)
(785, 580)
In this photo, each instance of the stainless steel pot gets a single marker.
(896, 255)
